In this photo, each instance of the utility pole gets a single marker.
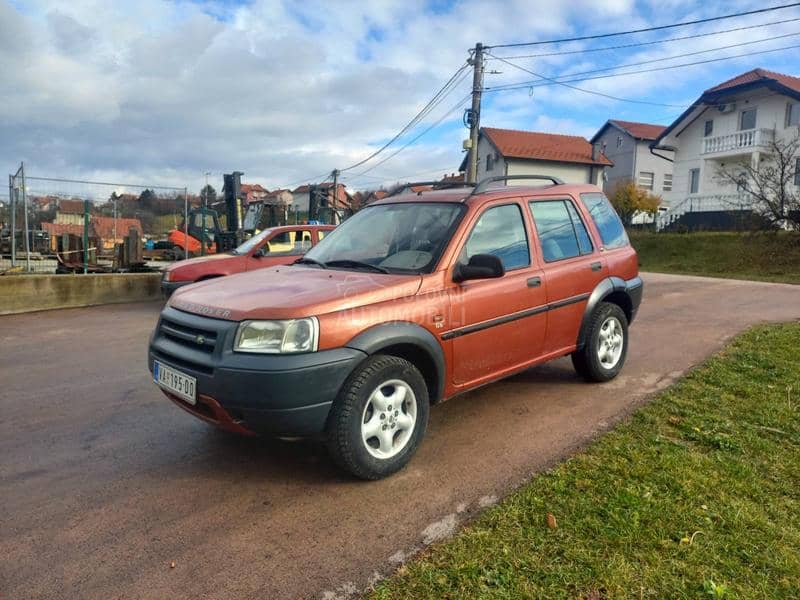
(205, 209)
(475, 112)
(335, 174)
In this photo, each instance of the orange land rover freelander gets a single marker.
(414, 299)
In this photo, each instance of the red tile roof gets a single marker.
(758, 75)
(72, 207)
(543, 146)
(103, 227)
(99, 227)
(641, 131)
(252, 187)
(55, 229)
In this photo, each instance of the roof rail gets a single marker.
(483, 184)
(437, 185)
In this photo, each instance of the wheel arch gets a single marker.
(613, 290)
(411, 342)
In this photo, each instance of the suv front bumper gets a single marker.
(280, 394)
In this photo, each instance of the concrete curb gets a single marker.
(29, 293)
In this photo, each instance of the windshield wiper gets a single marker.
(310, 261)
(356, 264)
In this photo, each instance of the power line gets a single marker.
(650, 43)
(646, 29)
(442, 93)
(566, 83)
(566, 76)
(399, 178)
(435, 124)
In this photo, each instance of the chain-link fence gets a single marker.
(53, 225)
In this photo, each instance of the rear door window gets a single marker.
(606, 219)
(561, 232)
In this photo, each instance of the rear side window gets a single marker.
(561, 232)
(500, 231)
(605, 218)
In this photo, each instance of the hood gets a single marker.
(199, 260)
(291, 292)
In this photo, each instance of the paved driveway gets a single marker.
(103, 482)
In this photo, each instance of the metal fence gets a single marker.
(51, 225)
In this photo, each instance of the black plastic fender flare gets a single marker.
(385, 335)
(604, 289)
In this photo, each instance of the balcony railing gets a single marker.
(704, 203)
(741, 140)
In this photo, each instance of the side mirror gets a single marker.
(480, 266)
(261, 252)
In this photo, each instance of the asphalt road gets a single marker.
(103, 482)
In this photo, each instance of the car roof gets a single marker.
(303, 225)
(464, 194)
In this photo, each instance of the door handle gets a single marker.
(596, 266)
(534, 282)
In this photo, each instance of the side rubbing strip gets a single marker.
(449, 335)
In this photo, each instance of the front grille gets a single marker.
(182, 363)
(203, 340)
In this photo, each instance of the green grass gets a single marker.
(697, 495)
(762, 256)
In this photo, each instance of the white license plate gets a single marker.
(181, 385)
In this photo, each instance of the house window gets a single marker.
(709, 128)
(793, 114)
(667, 187)
(694, 181)
(747, 119)
(489, 162)
(619, 141)
(646, 179)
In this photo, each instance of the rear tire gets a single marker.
(603, 354)
(379, 418)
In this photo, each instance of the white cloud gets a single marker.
(161, 92)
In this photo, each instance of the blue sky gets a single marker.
(161, 92)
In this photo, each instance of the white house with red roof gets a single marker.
(627, 145)
(730, 122)
(511, 152)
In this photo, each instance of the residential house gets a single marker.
(510, 152)
(730, 122)
(627, 145)
(69, 212)
(253, 192)
(111, 231)
(106, 230)
(341, 200)
(281, 197)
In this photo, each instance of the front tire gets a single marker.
(379, 418)
(603, 354)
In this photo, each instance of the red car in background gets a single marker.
(274, 246)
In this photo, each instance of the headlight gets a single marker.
(277, 337)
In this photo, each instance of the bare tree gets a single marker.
(771, 183)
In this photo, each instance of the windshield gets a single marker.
(252, 242)
(403, 238)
